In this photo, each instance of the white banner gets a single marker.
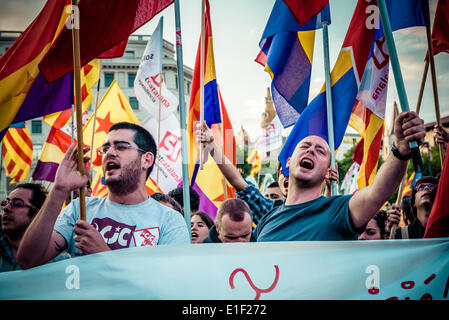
(271, 138)
(149, 86)
(329, 270)
(170, 160)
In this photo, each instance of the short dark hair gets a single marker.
(205, 218)
(142, 138)
(178, 195)
(407, 209)
(37, 198)
(235, 208)
(381, 218)
(164, 198)
(424, 179)
(274, 184)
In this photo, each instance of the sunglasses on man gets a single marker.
(423, 186)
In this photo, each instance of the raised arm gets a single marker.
(230, 172)
(40, 242)
(366, 202)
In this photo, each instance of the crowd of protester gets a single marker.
(38, 228)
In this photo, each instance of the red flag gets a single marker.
(104, 29)
(438, 223)
(440, 32)
(304, 10)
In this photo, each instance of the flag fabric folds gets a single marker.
(440, 31)
(149, 86)
(287, 54)
(209, 181)
(106, 26)
(303, 11)
(348, 75)
(407, 191)
(255, 161)
(24, 94)
(438, 223)
(113, 108)
(63, 127)
(17, 152)
(99, 188)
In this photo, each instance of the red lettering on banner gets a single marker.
(172, 144)
(258, 290)
(407, 285)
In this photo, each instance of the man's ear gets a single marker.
(287, 165)
(147, 160)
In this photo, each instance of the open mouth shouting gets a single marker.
(307, 163)
(111, 166)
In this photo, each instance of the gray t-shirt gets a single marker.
(148, 223)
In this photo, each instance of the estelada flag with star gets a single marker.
(113, 108)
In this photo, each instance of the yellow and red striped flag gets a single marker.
(255, 160)
(17, 151)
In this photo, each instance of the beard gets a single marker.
(128, 180)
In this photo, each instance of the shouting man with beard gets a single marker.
(127, 217)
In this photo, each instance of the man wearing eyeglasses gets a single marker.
(422, 198)
(19, 209)
(127, 217)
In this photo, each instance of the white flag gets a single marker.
(271, 138)
(349, 184)
(149, 86)
(170, 160)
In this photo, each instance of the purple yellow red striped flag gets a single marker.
(24, 94)
(17, 151)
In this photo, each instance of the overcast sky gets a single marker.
(237, 26)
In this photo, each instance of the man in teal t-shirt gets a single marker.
(306, 215)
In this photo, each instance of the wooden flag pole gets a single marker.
(398, 201)
(182, 119)
(202, 58)
(95, 115)
(79, 115)
(433, 73)
(423, 85)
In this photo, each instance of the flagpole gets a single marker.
(79, 115)
(182, 119)
(95, 114)
(158, 133)
(202, 49)
(160, 97)
(416, 155)
(425, 7)
(329, 109)
(423, 84)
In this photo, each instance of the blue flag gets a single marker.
(287, 53)
(347, 73)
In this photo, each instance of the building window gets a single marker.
(188, 87)
(176, 82)
(131, 77)
(134, 103)
(36, 126)
(108, 78)
(129, 54)
(37, 149)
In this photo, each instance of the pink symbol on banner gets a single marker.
(258, 290)
(171, 143)
(407, 285)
